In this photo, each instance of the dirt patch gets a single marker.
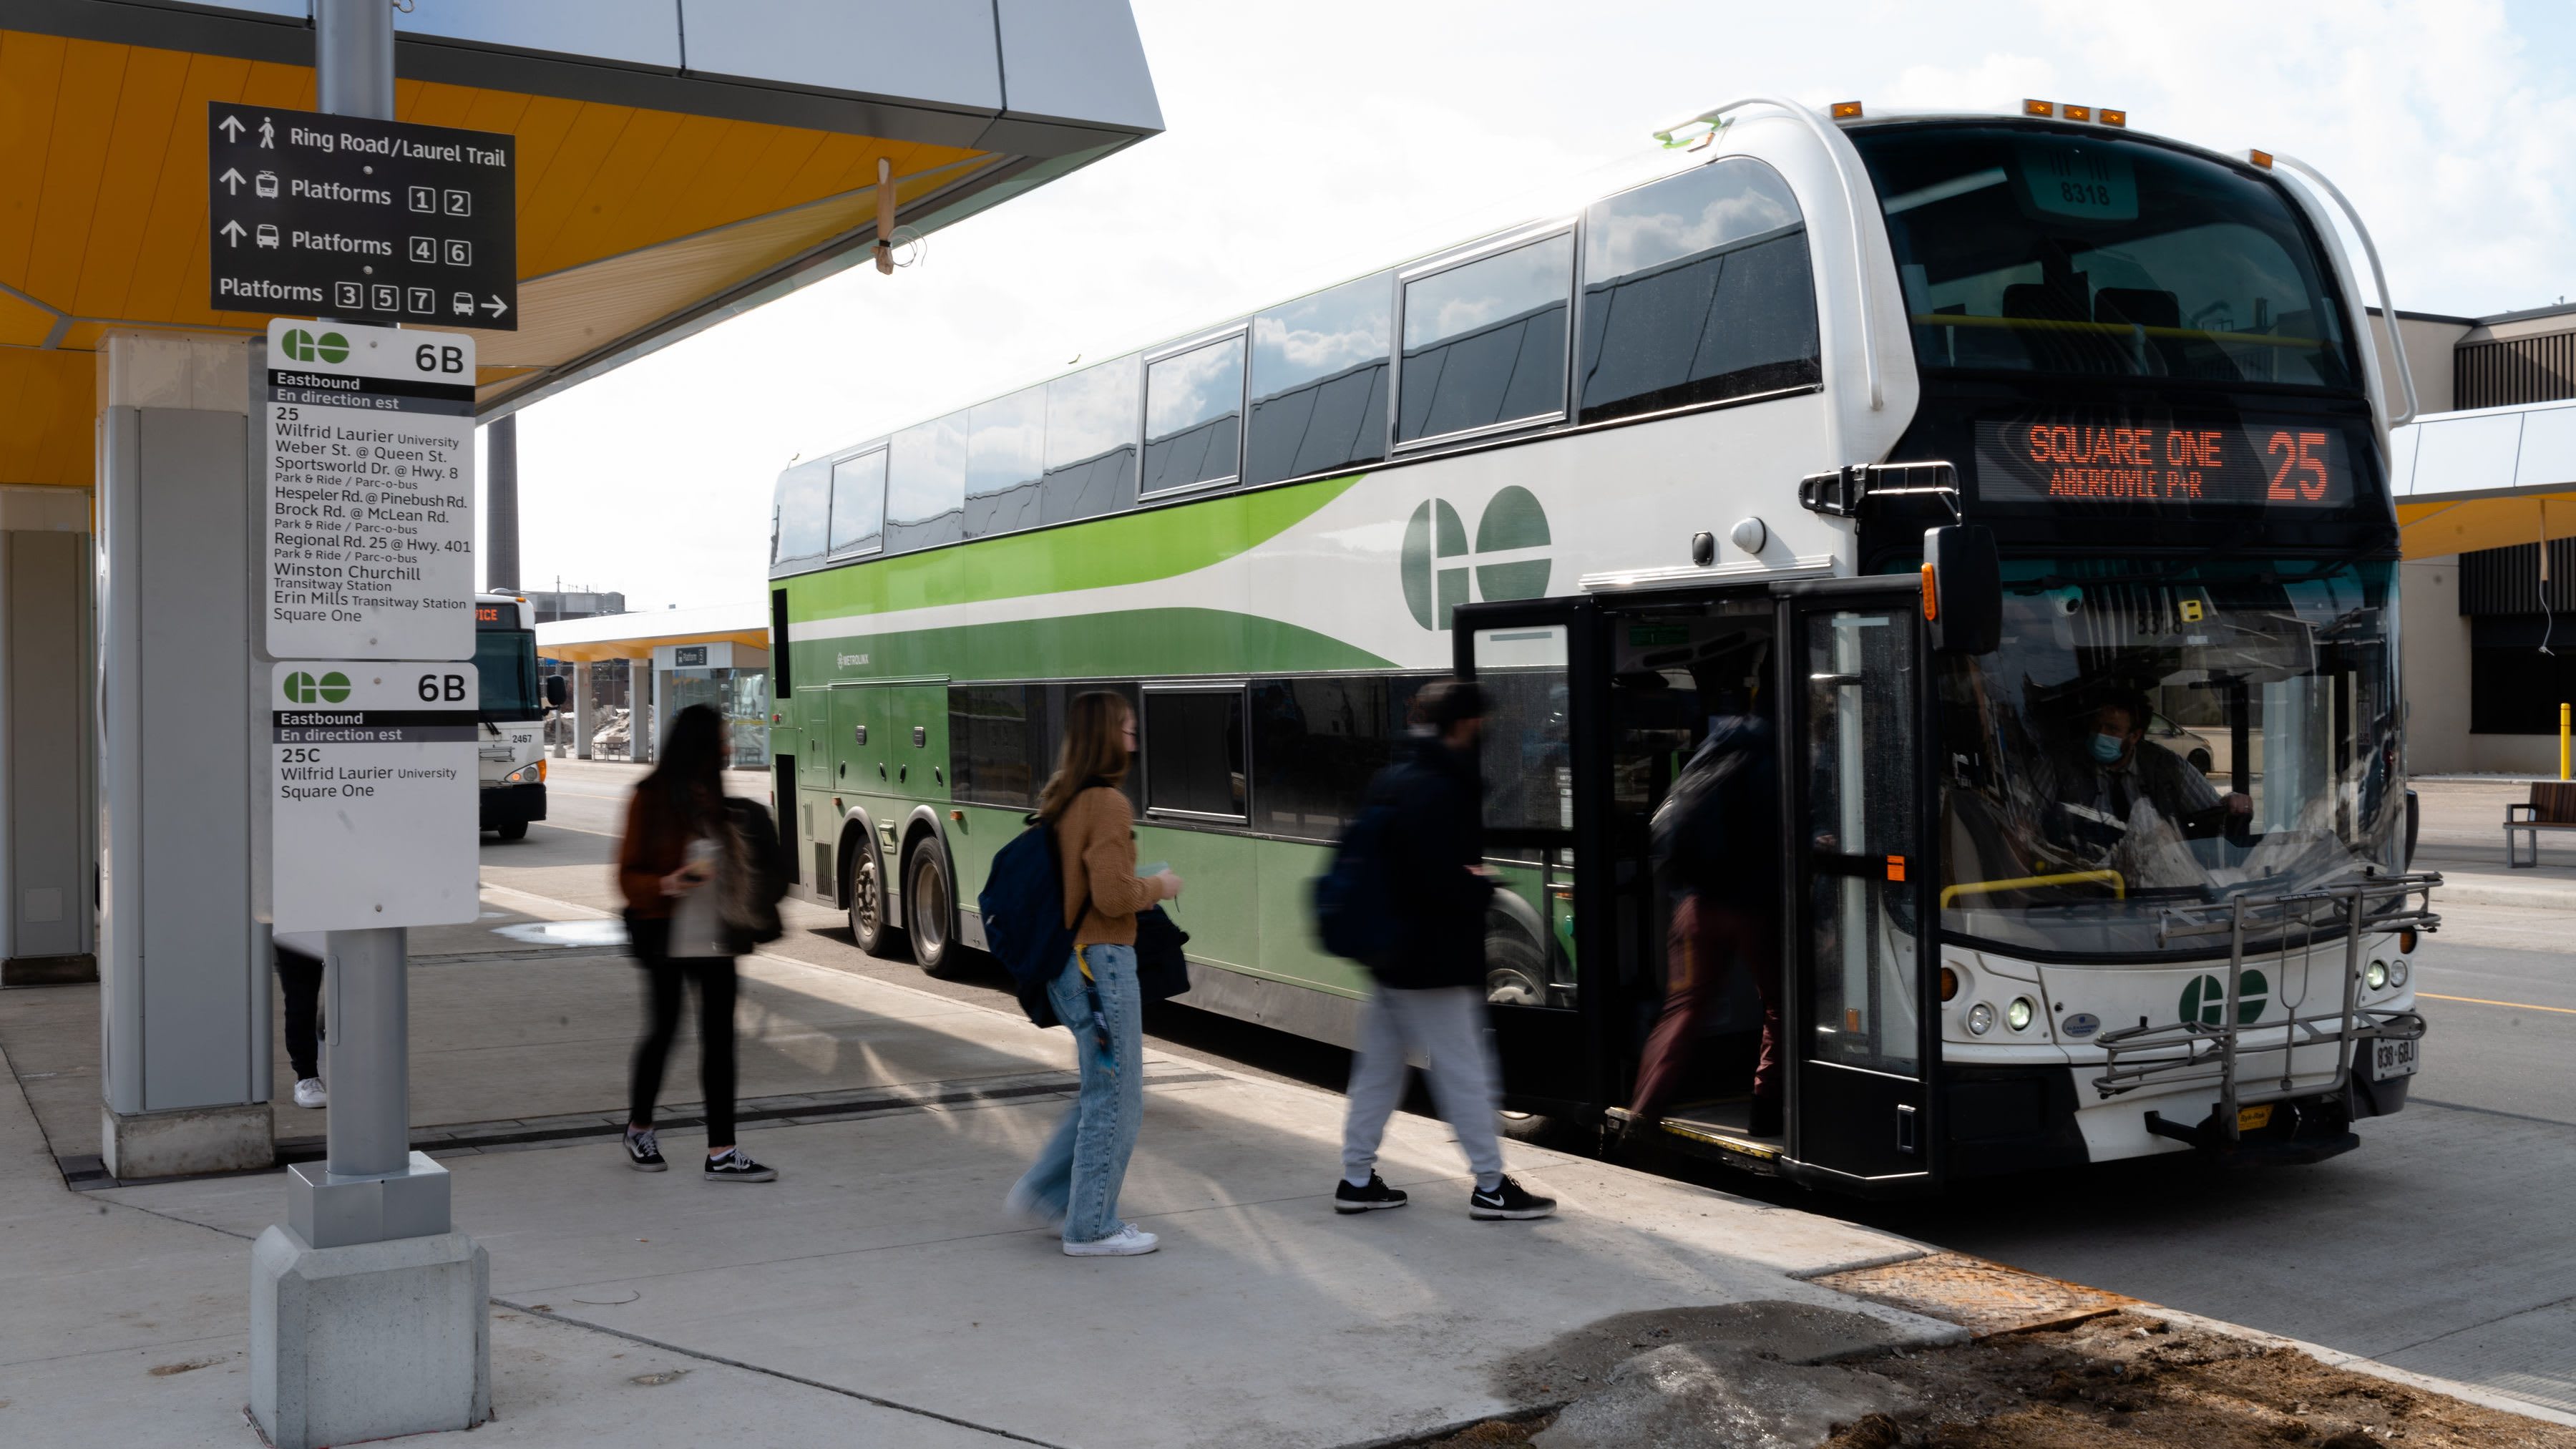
(2126, 1378)
(2129, 1378)
(189, 1366)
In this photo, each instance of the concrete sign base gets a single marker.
(368, 1341)
(184, 1141)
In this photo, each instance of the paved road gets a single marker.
(2442, 1245)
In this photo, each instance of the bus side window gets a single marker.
(858, 503)
(1091, 426)
(1696, 288)
(926, 484)
(1005, 454)
(1484, 342)
(1319, 382)
(992, 747)
(804, 504)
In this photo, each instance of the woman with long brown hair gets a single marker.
(1076, 1178)
(687, 877)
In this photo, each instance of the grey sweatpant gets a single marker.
(1447, 1026)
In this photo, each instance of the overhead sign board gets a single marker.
(369, 513)
(362, 220)
(373, 799)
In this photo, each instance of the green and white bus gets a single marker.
(1691, 441)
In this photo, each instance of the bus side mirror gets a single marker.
(558, 691)
(1963, 589)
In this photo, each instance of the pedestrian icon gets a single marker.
(348, 295)
(388, 297)
(424, 300)
(267, 135)
(424, 249)
(460, 203)
(424, 198)
(267, 234)
(460, 253)
(265, 184)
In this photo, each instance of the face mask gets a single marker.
(2108, 748)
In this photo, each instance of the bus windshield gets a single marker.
(2041, 250)
(506, 660)
(2153, 733)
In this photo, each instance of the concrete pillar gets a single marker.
(643, 703)
(184, 978)
(48, 798)
(501, 505)
(585, 710)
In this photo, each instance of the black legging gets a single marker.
(299, 981)
(664, 977)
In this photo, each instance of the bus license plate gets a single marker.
(2391, 1059)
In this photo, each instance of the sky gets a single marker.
(1308, 141)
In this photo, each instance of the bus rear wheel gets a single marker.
(863, 892)
(515, 830)
(930, 914)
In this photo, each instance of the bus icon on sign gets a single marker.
(264, 184)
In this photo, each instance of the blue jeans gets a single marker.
(1078, 1173)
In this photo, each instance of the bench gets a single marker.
(2552, 807)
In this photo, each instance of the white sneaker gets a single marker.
(1129, 1241)
(311, 1093)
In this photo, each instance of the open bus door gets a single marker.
(1862, 1013)
(1539, 662)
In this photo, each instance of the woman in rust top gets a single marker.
(1076, 1179)
(686, 876)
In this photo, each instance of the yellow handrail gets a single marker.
(2119, 887)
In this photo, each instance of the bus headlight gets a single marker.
(1981, 1019)
(528, 774)
(2397, 972)
(2018, 1015)
(2376, 976)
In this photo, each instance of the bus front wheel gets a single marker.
(930, 913)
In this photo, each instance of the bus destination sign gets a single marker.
(2264, 463)
(362, 220)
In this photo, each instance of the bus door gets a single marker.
(1539, 665)
(1861, 1013)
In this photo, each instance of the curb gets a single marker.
(2484, 1398)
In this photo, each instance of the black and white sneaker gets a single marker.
(735, 1165)
(644, 1151)
(1349, 1199)
(1508, 1201)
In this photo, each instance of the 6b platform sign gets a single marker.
(370, 498)
(372, 794)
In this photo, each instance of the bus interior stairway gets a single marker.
(1715, 1128)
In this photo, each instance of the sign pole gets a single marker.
(369, 1132)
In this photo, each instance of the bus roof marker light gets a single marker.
(2078, 113)
(2115, 118)
(2260, 158)
(2038, 108)
(1845, 111)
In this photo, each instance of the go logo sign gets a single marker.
(1509, 560)
(303, 346)
(2204, 1001)
(302, 688)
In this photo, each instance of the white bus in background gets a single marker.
(511, 759)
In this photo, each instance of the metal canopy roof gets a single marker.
(624, 636)
(678, 161)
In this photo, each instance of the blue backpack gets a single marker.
(1023, 906)
(1354, 901)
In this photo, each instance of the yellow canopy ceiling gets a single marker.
(626, 215)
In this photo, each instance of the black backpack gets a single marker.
(1714, 823)
(767, 859)
(1354, 899)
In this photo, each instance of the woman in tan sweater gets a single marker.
(1076, 1178)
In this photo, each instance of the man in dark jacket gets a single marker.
(1718, 858)
(1431, 997)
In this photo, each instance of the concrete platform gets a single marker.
(879, 1287)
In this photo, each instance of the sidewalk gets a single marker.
(878, 1293)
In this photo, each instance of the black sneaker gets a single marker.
(1764, 1118)
(1349, 1199)
(1507, 1200)
(644, 1151)
(736, 1166)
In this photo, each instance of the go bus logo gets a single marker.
(1509, 560)
(303, 346)
(302, 688)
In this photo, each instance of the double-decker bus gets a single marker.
(511, 749)
(1960, 447)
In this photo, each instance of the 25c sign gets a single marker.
(441, 688)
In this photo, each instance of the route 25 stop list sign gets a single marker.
(370, 493)
(373, 799)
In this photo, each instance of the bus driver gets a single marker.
(2119, 765)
